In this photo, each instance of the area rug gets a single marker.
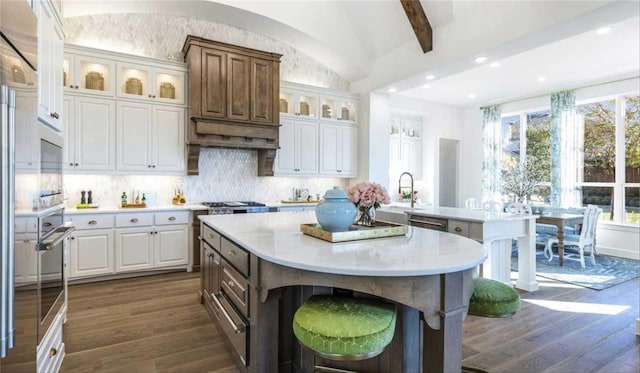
(608, 271)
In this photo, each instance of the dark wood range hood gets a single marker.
(233, 100)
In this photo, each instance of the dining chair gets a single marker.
(586, 238)
(471, 203)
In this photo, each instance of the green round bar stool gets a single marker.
(344, 328)
(492, 298)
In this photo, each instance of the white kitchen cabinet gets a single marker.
(170, 245)
(27, 146)
(295, 101)
(26, 259)
(405, 147)
(150, 137)
(88, 73)
(50, 76)
(338, 150)
(340, 108)
(90, 134)
(143, 82)
(134, 248)
(298, 153)
(91, 253)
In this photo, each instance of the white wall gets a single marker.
(612, 239)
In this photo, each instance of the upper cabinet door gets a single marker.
(238, 87)
(89, 75)
(134, 134)
(95, 124)
(261, 90)
(134, 81)
(214, 83)
(168, 86)
(50, 46)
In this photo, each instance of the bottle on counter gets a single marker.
(89, 198)
(123, 199)
(144, 199)
(83, 200)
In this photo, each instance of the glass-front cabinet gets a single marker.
(88, 75)
(147, 83)
(298, 103)
(338, 108)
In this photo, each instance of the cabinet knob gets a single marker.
(71, 86)
(154, 96)
(339, 170)
(153, 166)
(149, 96)
(75, 164)
(93, 222)
(149, 165)
(134, 220)
(53, 352)
(70, 164)
(73, 238)
(172, 218)
(458, 229)
(77, 87)
(232, 253)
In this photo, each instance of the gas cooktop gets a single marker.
(236, 207)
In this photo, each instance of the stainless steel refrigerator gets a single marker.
(18, 66)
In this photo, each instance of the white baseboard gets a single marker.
(621, 253)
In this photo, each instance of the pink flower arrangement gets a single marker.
(368, 194)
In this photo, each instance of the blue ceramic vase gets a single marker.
(335, 212)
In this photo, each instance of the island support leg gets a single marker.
(527, 259)
(442, 349)
(264, 332)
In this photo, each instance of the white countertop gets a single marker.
(119, 210)
(460, 213)
(276, 237)
(283, 204)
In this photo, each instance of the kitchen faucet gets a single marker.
(400, 186)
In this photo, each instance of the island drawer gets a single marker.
(236, 255)
(428, 222)
(211, 237)
(96, 221)
(134, 220)
(235, 287)
(459, 227)
(233, 325)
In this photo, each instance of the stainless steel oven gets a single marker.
(50, 168)
(52, 234)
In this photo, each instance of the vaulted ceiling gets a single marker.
(372, 44)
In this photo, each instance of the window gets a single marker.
(538, 145)
(605, 126)
(632, 160)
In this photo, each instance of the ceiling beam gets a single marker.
(419, 23)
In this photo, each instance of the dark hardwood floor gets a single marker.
(155, 324)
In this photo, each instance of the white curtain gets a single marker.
(491, 149)
(564, 150)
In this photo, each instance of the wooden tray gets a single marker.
(356, 232)
(134, 205)
(86, 206)
(301, 201)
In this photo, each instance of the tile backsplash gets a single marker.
(225, 175)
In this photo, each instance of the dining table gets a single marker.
(560, 220)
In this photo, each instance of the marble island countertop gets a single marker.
(458, 213)
(276, 237)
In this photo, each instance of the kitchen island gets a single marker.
(260, 268)
(495, 230)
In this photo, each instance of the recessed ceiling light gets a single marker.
(481, 59)
(541, 79)
(426, 86)
(471, 95)
(430, 77)
(603, 30)
(391, 90)
(495, 64)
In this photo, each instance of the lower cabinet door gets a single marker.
(91, 253)
(171, 245)
(134, 249)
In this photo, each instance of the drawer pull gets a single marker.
(209, 235)
(458, 229)
(134, 220)
(46, 224)
(427, 222)
(230, 283)
(92, 222)
(232, 253)
(172, 218)
(236, 328)
(53, 352)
